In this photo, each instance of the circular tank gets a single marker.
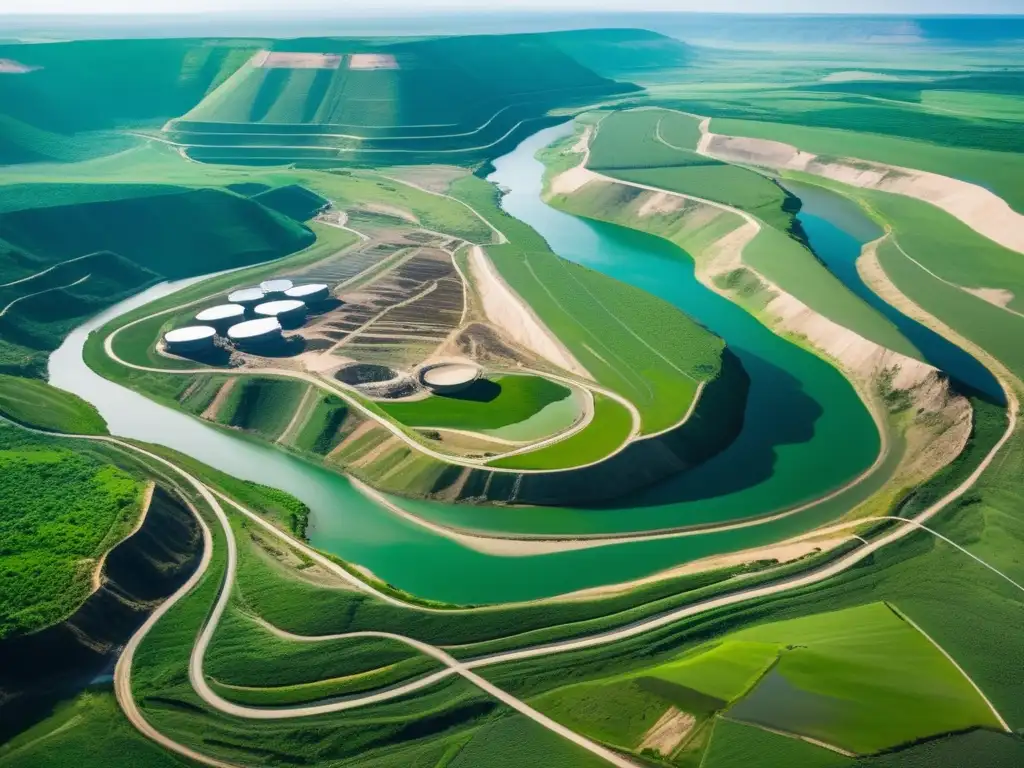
(222, 316)
(247, 297)
(449, 377)
(285, 309)
(309, 293)
(190, 339)
(278, 286)
(255, 332)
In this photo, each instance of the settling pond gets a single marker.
(806, 434)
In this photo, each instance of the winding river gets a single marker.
(806, 434)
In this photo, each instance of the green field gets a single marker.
(1000, 171)
(176, 232)
(264, 406)
(61, 511)
(608, 431)
(488, 404)
(640, 146)
(734, 744)
(631, 342)
(36, 404)
(89, 731)
(873, 680)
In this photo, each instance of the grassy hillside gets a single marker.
(265, 406)
(636, 344)
(176, 232)
(37, 404)
(61, 510)
(68, 251)
(293, 201)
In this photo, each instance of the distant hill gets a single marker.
(68, 251)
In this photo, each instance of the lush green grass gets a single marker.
(514, 741)
(876, 679)
(244, 653)
(633, 139)
(265, 406)
(177, 233)
(36, 404)
(620, 712)
(90, 731)
(880, 681)
(487, 404)
(293, 201)
(61, 511)
(948, 247)
(725, 671)
(608, 430)
(636, 146)
(371, 680)
(735, 744)
(999, 171)
(320, 433)
(631, 342)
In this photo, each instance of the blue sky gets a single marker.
(383, 7)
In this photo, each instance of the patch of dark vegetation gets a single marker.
(44, 667)
(365, 373)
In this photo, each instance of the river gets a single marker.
(837, 229)
(812, 435)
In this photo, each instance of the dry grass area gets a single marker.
(669, 732)
(12, 67)
(289, 60)
(372, 61)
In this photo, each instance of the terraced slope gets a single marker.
(453, 99)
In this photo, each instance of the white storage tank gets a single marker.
(192, 338)
(446, 378)
(255, 333)
(311, 293)
(222, 316)
(275, 287)
(247, 297)
(285, 310)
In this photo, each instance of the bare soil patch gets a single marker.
(289, 60)
(668, 733)
(372, 61)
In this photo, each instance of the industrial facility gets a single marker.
(311, 293)
(255, 333)
(193, 338)
(247, 297)
(275, 287)
(448, 378)
(286, 310)
(222, 316)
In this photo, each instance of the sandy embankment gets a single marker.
(506, 310)
(981, 210)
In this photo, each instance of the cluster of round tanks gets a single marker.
(192, 338)
(273, 302)
(253, 333)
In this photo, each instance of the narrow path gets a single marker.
(48, 269)
(79, 281)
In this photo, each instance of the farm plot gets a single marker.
(488, 405)
(403, 316)
(863, 679)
